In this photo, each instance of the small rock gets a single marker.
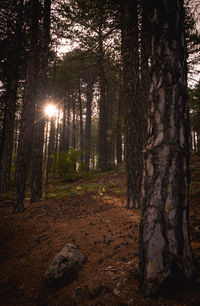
(64, 266)
(116, 292)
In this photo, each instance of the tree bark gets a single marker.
(51, 150)
(81, 122)
(89, 97)
(73, 122)
(133, 111)
(119, 128)
(38, 138)
(63, 131)
(68, 130)
(28, 116)
(6, 146)
(102, 107)
(110, 101)
(165, 250)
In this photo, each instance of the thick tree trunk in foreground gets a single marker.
(164, 243)
(133, 110)
(28, 114)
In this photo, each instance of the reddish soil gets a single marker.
(104, 230)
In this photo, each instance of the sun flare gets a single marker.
(50, 110)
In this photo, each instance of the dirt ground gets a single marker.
(104, 230)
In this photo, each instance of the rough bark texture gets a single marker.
(165, 250)
(38, 139)
(27, 119)
(132, 106)
(144, 60)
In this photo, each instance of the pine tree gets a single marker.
(165, 250)
(38, 137)
(11, 36)
(28, 115)
(133, 110)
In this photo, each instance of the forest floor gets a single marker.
(90, 213)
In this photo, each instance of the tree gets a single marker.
(50, 151)
(11, 37)
(38, 136)
(194, 99)
(89, 96)
(28, 114)
(133, 110)
(92, 23)
(165, 250)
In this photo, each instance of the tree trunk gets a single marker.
(38, 139)
(111, 100)
(102, 108)
(7, 134)
(89, 97)
(51, 151)
(10, 108)
(132, 106)
(28, 116)
(68, 130)
(37, 161)
(119, 128)
(57, 136)
(165, 251)
(74, 122)
(63, 131)
(81, 122)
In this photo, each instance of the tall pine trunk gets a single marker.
(68, 128)
(38, 139)
(111, 100)
(10, 108)
(28, 115)
(119, 127)
(133, 111)
(102, 107)
(81, 121)
(51, 151)
(63, 127)
(165, 251)
(89, 97)
(73, 122)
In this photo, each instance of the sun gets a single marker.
(50, 110)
